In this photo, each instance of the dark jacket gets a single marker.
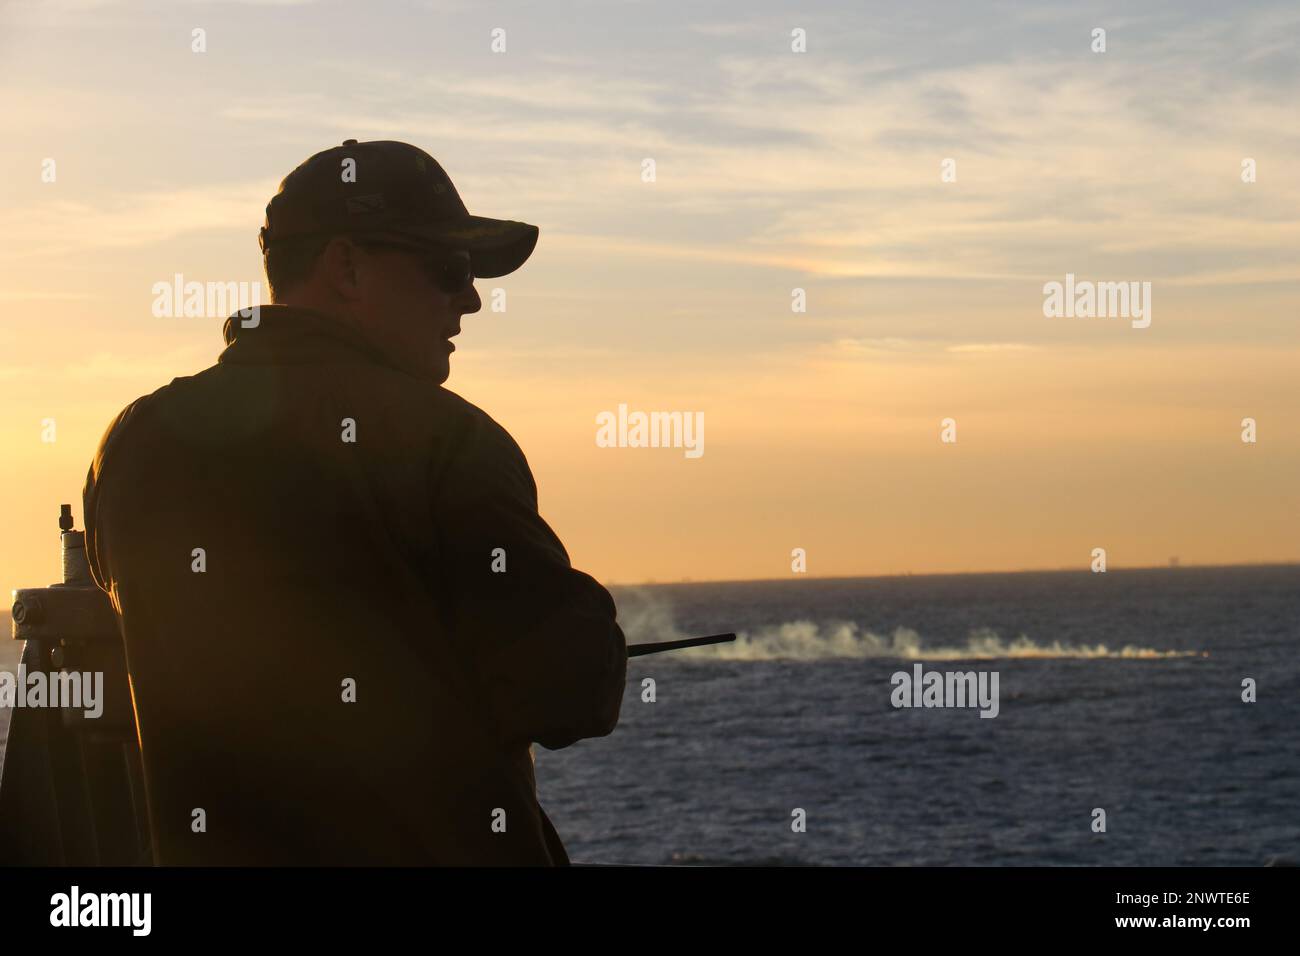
(329, 561)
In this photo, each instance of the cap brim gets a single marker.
(496, 247)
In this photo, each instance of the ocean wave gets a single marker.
(806, 640)
(646, 620)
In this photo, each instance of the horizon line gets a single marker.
(950, 574)
(5, 610)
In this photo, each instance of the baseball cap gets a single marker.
(391, 189)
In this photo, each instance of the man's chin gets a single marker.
(436, 371)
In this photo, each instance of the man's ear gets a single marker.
(339, 265)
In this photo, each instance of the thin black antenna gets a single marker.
(655, 647)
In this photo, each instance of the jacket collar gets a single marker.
(290, 335)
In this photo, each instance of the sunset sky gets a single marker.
(775, 170)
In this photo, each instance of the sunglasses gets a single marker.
(449, 268)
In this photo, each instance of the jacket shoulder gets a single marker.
(482, 445)
(479, 425)
(132, 413)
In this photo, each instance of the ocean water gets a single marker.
(1120, 691)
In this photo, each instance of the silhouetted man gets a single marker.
(344, 619)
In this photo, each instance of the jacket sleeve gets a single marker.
(542, 636)
(96, 558)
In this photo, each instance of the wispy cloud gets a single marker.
(60, 227)
(984, 347)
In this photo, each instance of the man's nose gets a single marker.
(470, 299)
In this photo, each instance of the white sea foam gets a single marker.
(647, 618)
(806, 640)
